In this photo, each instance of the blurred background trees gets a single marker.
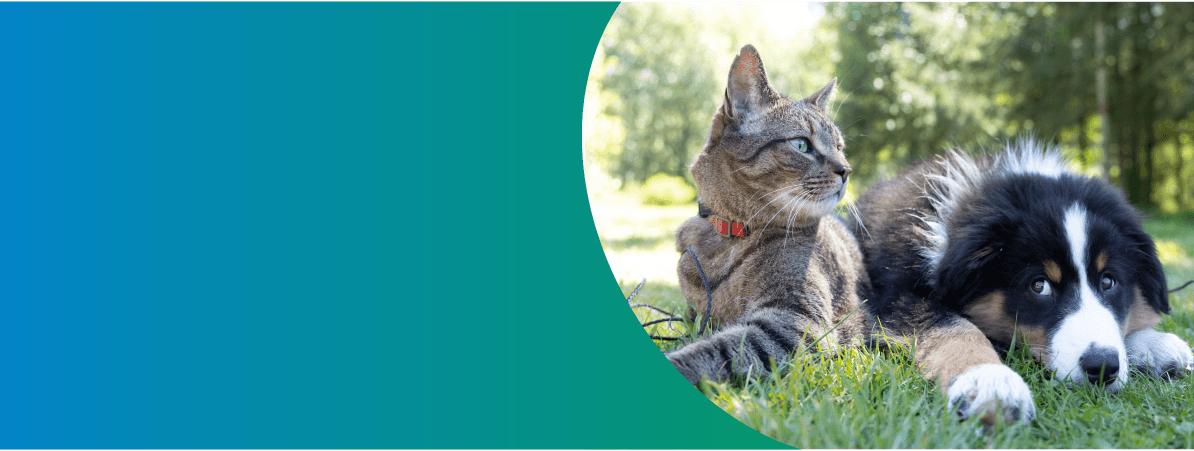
(914, 79)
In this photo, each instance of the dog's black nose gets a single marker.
(1100, 364)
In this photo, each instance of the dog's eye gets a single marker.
(800, 144)
(1108, 283)
(1042, 287)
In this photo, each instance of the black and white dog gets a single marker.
(967, 254)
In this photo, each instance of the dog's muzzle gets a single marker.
(1101, 364)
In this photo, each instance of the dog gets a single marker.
(967, 254)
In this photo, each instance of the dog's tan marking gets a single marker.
(946, 352)
(988, 315)
(1053, 271)
(1037, 341)
(1140, 315)
(1101, 261)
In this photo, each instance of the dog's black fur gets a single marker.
(957, 248)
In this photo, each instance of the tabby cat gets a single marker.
(783, 269)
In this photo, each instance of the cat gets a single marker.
(782, 268)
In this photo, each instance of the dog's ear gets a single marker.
(972, 251)
(1150, 275)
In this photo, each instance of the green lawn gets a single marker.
(861, 399)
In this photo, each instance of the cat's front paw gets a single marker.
(1159, 354)
(990, 390)
(686, 365)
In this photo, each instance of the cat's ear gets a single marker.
(822, 98)
(748, 90)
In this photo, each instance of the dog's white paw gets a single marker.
(1159, 354)
(988, 390)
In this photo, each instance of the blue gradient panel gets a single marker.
(313, 225)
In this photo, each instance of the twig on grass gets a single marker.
(1184, 285)
(672, 317)
(635, 292)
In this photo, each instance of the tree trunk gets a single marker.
(1180, 170)
(1129, 163)
(1101, 87)
(1148, 113)
(1147, 140)
(1135, 116)
(1084, 142)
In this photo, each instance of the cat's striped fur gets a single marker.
(799, 271)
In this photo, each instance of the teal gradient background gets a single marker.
(314, 225)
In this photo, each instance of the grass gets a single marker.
(865, 399)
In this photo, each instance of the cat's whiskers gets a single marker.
(791, 221)
(782, 207)
(788, 226)
(752, 196)
(855, 121)
(794, 213)
(799, 197)
(777, 212)
(852, 209)
(790, 189)
(796, 185)
(857, 215)
(842, 102)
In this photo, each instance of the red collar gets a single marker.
(727, 228)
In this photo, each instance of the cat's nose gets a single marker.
(843, 171)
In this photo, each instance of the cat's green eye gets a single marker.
(800, 144)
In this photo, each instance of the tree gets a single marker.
(1148, 63)
(918, 80)
(665, 97)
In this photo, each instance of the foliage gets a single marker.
(666, 66)
(664, 100)
(1051, 65)
(917, 78)
(662, 189)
